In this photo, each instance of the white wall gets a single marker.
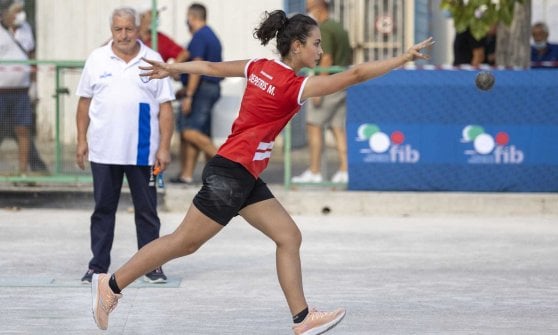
(71, 29)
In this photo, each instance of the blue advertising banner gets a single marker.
(425, 130)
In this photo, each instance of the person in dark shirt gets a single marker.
(467, 49)
(541, 50)
(198, 96)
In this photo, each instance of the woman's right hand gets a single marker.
(155, 70)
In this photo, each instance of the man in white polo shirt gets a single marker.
(124, 126)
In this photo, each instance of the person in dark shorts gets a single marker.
(274, 93)
(198, 96)
(15, 80)
(467, 50)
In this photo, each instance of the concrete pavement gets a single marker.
(399, 273)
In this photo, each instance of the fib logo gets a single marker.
(489, 149)
(384, 147)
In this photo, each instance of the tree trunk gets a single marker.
(512, 43)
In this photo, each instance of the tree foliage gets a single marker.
(479, 15)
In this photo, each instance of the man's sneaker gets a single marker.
(308, 177)
(340, 177)
(104, 300)
(319, 322)
(156, 276)
(86, 279)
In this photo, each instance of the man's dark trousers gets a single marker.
(107, 186)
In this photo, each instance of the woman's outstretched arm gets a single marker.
(159, 70)
(325, 85)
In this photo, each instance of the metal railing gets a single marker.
(62, 167)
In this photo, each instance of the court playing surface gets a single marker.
(395, 275)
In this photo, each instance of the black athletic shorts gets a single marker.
(227, 188)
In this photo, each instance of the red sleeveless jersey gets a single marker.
(271, 98)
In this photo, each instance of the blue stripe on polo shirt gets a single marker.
(144, 134)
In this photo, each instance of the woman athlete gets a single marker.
(231, 185)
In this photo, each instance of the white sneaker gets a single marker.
(104, 301)
(308, 177)
(340, 177)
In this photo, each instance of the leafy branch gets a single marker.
(479, 15)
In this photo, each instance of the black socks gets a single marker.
(300, 316)
(113, 286)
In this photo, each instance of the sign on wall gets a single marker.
(434, 131)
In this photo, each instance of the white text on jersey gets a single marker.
(262, 84)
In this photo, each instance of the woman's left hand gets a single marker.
(413, 53)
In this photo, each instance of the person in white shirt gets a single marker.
(15, 105)
(124, 127)
(23, 36)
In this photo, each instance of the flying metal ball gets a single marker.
(485, 80)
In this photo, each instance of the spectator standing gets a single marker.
(542, 50)
(198, 96)
(467, 50)
(327, 111)
(124, 126)
(170, 50)
(24, 36)
(15, 104)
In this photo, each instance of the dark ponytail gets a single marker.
(285, 30)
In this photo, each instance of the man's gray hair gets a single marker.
(541, 25)
(125, 12)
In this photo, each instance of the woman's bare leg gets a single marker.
(193, 232)
(272, 219)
